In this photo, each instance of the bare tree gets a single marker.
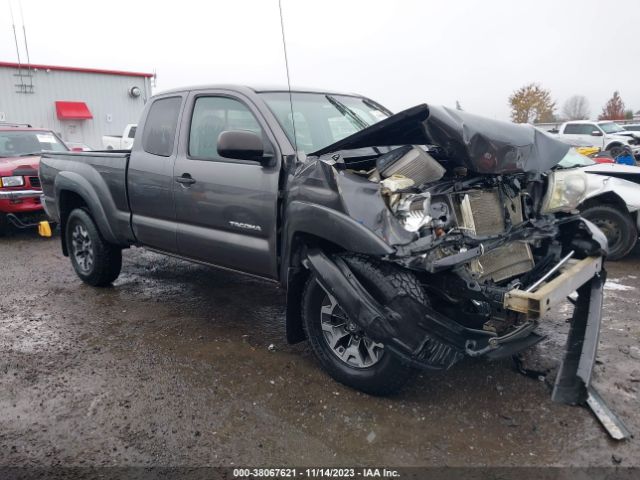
(613, 109)
(576, 108)
(532, 104)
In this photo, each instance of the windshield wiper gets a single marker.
(343, 109)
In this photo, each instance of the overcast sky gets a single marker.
(398, 52)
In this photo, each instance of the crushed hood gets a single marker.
(480, 144)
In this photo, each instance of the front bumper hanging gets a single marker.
(573, 382)
(425, 338)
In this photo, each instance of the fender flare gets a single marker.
(73, 182)
(331, 225)
(327, 224)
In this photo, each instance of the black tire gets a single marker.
(3, 224)
(105, 259)
(384, 281)
(615, 150)
(617, 225)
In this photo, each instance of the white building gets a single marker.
(80, 104)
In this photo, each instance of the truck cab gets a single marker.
(120, 142)
(606, 135)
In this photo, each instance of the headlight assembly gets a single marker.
(566, 189)
(15, 181)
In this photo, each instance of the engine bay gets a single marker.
(470, 237)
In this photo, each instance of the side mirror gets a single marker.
(596, 133)
(241, 145)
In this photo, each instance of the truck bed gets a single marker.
(99, 179)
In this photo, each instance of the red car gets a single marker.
(20, 148)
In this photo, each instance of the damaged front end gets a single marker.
(475, 209)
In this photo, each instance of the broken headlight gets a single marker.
(414, 211)
(567, 188)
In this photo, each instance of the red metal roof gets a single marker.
(73, 111)
(75, 69)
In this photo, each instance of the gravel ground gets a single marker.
(183, 365)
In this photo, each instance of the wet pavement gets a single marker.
(181, 364)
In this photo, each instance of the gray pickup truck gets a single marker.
(404, 242)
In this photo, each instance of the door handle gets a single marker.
(185, 179)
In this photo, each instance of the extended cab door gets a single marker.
(226, 209)
(150, 174)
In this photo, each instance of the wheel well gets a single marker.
(613, 144)
(608, 198)
(67, 202)
(296, 277)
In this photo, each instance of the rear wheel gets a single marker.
(96, 261)
(617, 226)
(342, 348)
(3, 224)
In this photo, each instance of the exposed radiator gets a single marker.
(504, 262)
(482, 213)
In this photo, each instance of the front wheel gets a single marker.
(342, 348)
(615, 150)
(617, 226)
(96, 261)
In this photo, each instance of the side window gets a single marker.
(132, 132)
(572, 129)
(212, 116)
(160, 128)
(587, 128)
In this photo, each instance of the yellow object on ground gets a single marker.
(588, 150)
(44, 229)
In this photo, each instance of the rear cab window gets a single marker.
(159, 133)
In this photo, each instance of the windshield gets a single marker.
(574, 159)
(611, 127)
(322, 119)
(21, 142)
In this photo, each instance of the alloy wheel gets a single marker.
(344, 337)
(82, 248)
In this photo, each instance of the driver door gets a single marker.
(226, 209)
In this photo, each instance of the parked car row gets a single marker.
(612, 204)
(608, 136)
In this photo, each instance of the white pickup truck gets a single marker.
(607, 135)
(123, 142)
